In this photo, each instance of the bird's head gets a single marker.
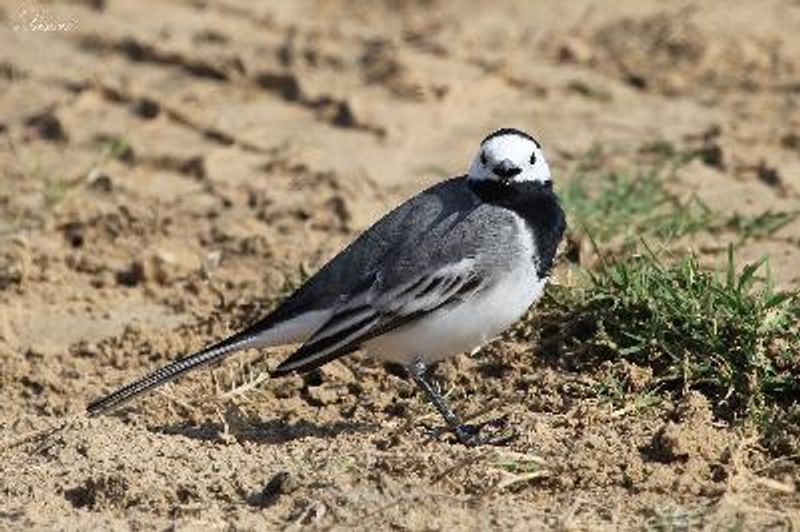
(510, 156)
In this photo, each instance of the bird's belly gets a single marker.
(463, 327)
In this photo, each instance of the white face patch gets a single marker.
(510, 157)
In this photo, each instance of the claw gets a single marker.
(470, 435)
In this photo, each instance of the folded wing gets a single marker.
(366, 316)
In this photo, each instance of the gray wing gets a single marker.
(377, 311)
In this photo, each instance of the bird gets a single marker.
(441, 274)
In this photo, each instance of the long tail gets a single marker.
(172, 371)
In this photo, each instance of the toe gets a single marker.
(470, 435)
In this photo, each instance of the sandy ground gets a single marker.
(169, 169)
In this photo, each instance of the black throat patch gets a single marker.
(538, 205)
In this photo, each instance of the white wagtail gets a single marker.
(441, 274)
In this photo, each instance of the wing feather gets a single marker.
(353, 324)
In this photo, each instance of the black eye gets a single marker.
(533, 158)
(483, 159)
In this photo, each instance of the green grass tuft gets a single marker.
(628, 204)
(760, 225)
(113, 146)
(632, 203)
(730, 335)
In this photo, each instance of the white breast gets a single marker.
(464, 327)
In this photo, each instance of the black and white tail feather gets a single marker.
(170, 372)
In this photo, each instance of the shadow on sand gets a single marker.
(270, 432)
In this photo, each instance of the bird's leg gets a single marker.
(466, 434)
(418, 371)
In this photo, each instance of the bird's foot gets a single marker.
(474, 435)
